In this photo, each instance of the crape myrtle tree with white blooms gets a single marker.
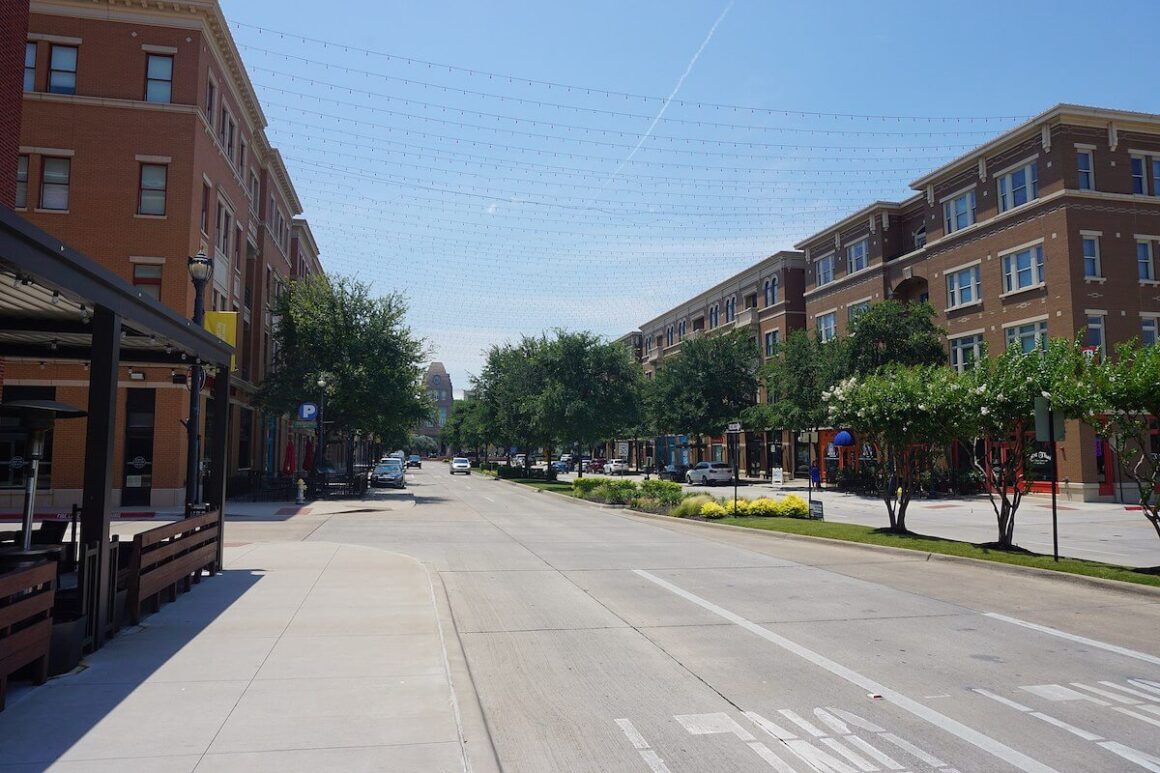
(908, 413)
(997, 406)
(1124, 408)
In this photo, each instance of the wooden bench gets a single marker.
(168, 559)
(26, 599)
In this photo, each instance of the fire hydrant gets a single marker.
(301, 500)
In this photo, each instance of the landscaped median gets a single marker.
(789, 514)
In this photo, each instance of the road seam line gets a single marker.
(1078, 639)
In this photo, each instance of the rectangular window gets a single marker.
(1087, 174)
(1145, 267)
(1139, 184)
(225, 229)
(855, 310)
(147, 279)
(54, 179)
(1091, 256)
(255, 193)
(21, 182)
(857, 256)
(1095, 331)
(827, 327)
(965, 350)
(1023, 269)
(62, 70)
(918, 238)
(242, 154)
(771, 342)
(825, 269)
(30, 67)
(210, 100)
(1028, 337)
(959, 212)
(1148, 331)
(1019, 187)
(151, 200)
(159, 78)
(964, 286)
(1156, 175)
(204, 208)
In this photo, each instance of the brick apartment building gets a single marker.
(143, 142)
(1050, 229)
(764, 300)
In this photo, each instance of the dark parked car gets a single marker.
(414, 461)
(595, 465)
(674, 472)
(389, 473)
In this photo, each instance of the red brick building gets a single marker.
(142, 143)
(1051, 229)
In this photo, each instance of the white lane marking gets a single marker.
(721, 723)
(633, 734)
(489, 499)
(1130, 691)
(861, 762)
(1144, 684)
(835, 724)
(776, 731)
(882, 757)
(974, 737)
(1138, 716)
(1000, 699)
(818, 759)
(1152, 708)
(1105, 694)
(857, 721)
(1078, 639)
(1146, 761)
(1084, 734)
(650, 757)
(801, 722)
(712, 724)
(1057, 692)
(913, 750)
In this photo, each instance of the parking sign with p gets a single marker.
(308, 412)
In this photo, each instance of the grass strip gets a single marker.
(849, 532)
(544, 485)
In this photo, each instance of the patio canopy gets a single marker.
(56, 305)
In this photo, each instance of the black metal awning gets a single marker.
(49, 293)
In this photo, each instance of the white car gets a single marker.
(460, 464)
(709, 474)
(615, 467)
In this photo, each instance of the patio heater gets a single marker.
(36, 417)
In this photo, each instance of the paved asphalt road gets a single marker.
(603, 641)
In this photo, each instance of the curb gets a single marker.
(1032, 571)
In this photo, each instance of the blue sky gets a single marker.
(501, 206)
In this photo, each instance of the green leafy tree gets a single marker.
(705, 387)
(1124, 409)
(422, 444)
(467, 426)
(895, 333)
(508, 386)
(908, 413)
(1000, 404)
(332, 328)
(794, 380)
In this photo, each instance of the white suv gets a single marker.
(615, 467)
(460, 464)
(709, 473)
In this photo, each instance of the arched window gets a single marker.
(681, 330)
(730, 309)
(771, 291)
(714, 315)
(669, 336)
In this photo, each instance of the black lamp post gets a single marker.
(321, 426)
(200, 269)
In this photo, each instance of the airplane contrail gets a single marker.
(665, 106)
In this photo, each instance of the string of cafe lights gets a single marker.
(568, 88)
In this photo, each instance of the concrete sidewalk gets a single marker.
(301, 656)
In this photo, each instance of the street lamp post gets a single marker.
(321, 426)
(200, 269)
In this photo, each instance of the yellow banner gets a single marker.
(224, 325)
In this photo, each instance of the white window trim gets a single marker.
(1003, 269)
(1095, 236)
(1151, 242)
(833, 273)
(958, 193)
(1007, 173)
(60, 40)
(1015, 167)
(146, 260)
(977, 287)
(1144, 156)
(26, 150)
(978, 346)
(1102, 314)
(850, 270)
(1027, 321)
(1091, 152)
(154, 159)
(827, 311)
(149, 48)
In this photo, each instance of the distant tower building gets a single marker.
(438, 385)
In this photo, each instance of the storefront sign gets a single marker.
(777, 476)
(817, 512)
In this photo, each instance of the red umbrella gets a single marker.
(308, 456)
(289, 460)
